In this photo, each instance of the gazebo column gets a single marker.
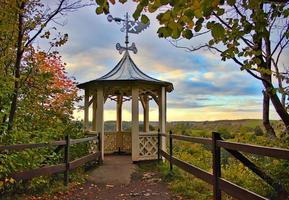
(119, 135)
(162, 116)
(119, 114)
(86, 109)
(146, 113)
(94, 107)
(99, 117)
(135, 124)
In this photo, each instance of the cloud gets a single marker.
(205, 87)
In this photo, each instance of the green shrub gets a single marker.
(190, 187)
(15, 161)
(258, 131)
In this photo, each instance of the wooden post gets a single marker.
(99, 116)
(119, 114)
(119, 135)
(171, 150)
(216, 165)
(135, 124)
(159, 145)
(94, 109)
(99, 149)
(146, 113)
(162, 116)
(86, 108)
(66, 160)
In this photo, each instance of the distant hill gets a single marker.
(204, 125)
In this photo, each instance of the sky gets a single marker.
(205, 88)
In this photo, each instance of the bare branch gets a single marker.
(280, 41)
(63, 6)
(282, 47)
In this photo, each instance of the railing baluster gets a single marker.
(66, 160)
(99, 149)
(159, 145)
(171, 150)
(216, 166)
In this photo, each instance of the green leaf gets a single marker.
(144, 19)
(164, 32)
(176, 34)
(187, 34)
(99, 2)
(218, 31)
(189, 13)
(99, 10)
(144, 2)
(152, 8)
(106, 8)
(166, 16)
(137, 11)
(286, 12)
(231, 2)
(211, 42)
(164, 2)
(210, 25)
(198, 27)
(220, 11)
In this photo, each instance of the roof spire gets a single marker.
(129, 26)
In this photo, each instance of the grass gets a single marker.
(245, 131)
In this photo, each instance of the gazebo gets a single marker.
(126, 82)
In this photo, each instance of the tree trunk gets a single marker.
(13, 106)
(277, 104)
(283, 100)
(266, 110)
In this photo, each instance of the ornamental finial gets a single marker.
(129, 26)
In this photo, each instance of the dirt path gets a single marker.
(112, 182)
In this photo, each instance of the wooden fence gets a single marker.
(64, 167)
(215, 179)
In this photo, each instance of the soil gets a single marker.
(146, 185)
(141, 185)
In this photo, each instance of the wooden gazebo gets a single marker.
(124, 82)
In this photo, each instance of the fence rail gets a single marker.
(254, 149)
(19, 147)
(64, 167)
(220, 184)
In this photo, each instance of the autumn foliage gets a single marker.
(60, 88)
(47, 94)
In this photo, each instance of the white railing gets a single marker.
(115, 141)
(148, 146)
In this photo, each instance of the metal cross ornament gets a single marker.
(129, 26)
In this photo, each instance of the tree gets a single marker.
(8, 35)
(48, 94)
(22, 22)
(239, 30)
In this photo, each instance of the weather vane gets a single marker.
(129, 26)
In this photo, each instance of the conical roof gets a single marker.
(126, 71)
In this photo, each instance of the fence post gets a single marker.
(171, 150)
(159, 145)
(99, 149)
(66, 159)
(216, 165)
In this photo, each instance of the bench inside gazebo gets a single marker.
(126, 82)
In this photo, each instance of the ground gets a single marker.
(117, 179)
